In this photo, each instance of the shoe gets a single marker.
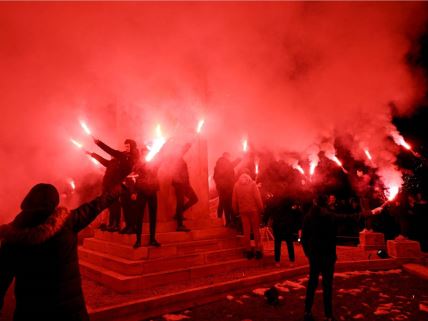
(248, 255)
(182, 228)
(258, 255)
(137, 245)
(308, 317)
(103, 227)
(154, 243)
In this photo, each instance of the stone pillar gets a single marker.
(197, 162)
(372, 240)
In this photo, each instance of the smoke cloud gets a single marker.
(287, 76)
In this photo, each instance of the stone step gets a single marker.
(167, 237)
(124, 283)
(139, 267)
(126, 251)
(170, 226)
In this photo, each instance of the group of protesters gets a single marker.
(39, 247)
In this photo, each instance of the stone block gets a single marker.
(403, 249)
(372, 240)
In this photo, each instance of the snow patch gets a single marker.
(260, 291)
(291, 284)
(175, 317)
(358, 316)
(230, 297)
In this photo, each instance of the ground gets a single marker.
(392, 295)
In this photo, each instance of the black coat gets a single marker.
(319, 232)
(44, 262)
(117, 168)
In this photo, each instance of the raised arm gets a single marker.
(100, 159)
(86, 213)
(107, 149)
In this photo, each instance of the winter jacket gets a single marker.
(42, 257)
(224, 173)
(147, 178)
(246, 196)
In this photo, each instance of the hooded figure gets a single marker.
(117, 168)
(39, 249)
(246, 201)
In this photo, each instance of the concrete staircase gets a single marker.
(208, 249)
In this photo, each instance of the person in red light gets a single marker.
(39, 249)
(146, 189)
(183, 189)
(247, 201)
(224, 177)
(117, 169)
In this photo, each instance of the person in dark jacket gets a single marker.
(285, 218)
(319, 244)
(183, 189)
(117, 168)
(224, 177)
(146, 189)
(39, 249)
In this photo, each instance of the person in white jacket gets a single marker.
(246, 201)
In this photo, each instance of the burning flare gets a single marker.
(245, 145)
(156, 145)
(200, 125)
(72, 185)
(399, 140)
(85, 127)
(312, 167)
(369, 156)
(299, 168)
(76, 143)
(391, 192)
(256, 167)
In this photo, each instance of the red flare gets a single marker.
(156, 145)
(76, 143)
(299, 168)
(369, 156)
(85, 127)
(200, 125)
(245, 145)
(72, 185)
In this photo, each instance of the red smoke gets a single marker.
(288, 76)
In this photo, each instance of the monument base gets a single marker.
(403, 248)
(372, 240)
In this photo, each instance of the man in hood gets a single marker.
(39, 249)
(117, 168)
(246, 201)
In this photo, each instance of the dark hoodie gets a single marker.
(39, 250)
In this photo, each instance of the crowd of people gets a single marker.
(39, 247)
